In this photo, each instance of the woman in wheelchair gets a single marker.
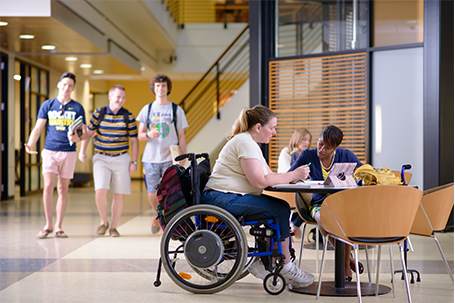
(239, 176)
(322, 159)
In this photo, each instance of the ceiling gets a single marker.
(120, 37)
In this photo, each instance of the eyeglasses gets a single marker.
(62, 108)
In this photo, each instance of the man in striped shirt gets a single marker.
(112, 164)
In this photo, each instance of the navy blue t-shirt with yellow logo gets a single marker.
(57, 123)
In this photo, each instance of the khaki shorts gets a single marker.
(112, 173)
(60, 163)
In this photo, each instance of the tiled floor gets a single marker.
(86, 268)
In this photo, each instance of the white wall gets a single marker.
(214, 132)
(198, 47)
(397, 108)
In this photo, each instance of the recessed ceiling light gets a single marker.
(3, 23)
(71, 59)
(17, 77)
(27, 36)
(86, 65)
(142, 68)
(48, 47)
(98, 71)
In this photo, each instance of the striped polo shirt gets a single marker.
(112, 135)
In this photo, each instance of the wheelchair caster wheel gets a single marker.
(157, 283)
(274, 285)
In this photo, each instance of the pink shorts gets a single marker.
(60, 163)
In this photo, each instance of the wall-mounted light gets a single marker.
(85, 65)
(27, 36)
(48, 47)
(17, 77)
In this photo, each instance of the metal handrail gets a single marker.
(219, 83)
(214, 64)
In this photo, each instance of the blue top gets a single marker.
(311, 155)
(112, 132)
(57, 124)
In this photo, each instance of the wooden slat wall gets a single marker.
(316, 92)
(198, 11)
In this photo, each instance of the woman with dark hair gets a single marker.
(241, 173)
(322, 159)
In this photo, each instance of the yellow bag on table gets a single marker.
(376, 175)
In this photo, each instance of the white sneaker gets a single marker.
(296, 276)
(258, 270)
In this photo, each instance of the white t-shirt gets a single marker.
(284, 161)
(157, 150)
(228, 175)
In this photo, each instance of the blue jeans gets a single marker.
(258, 207)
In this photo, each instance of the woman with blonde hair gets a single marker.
(241, 173)
(300, 140)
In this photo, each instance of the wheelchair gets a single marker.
(204, 248)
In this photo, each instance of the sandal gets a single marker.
(61, 234)
(155, 226)
(42, 234)
(360, 267)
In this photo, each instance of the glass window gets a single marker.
(397, 22)
(314, 27)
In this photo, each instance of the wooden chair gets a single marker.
(302, 201)
(407, 175)
(370, 215)
(286, 196)
(432, 215)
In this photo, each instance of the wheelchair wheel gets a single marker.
(207, 273)
(274, 286)
(204, 249)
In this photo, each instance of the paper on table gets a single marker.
(311, 182)
(301, 184)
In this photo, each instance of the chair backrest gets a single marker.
(434, 210)
(371, 214)
(286, 196)
(302, 202)
(407, 175)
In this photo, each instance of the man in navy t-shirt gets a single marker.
(59, 153)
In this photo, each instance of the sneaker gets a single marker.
(155, 226)
(258, 270)
(296, 276)
(102, 229)
(113, 232)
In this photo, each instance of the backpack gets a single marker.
(173, 194)
(103, 110)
